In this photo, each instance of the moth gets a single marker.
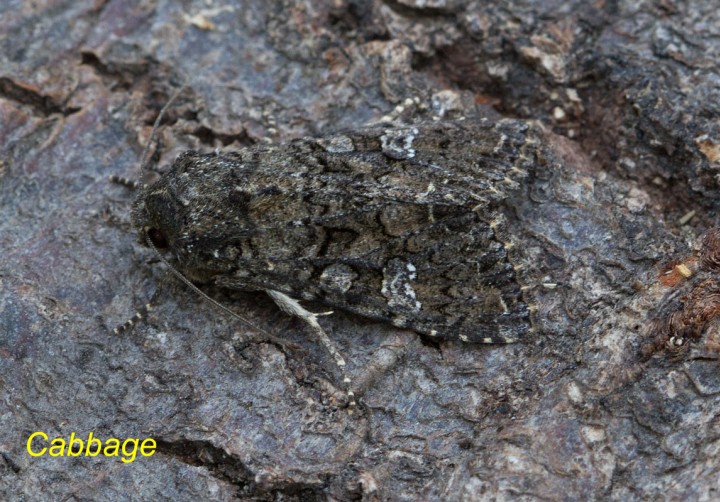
(397, 223)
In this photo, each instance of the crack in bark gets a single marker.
(45, 105)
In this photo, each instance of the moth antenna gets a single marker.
(286, 303)
(204, 295)
(134, 184)
(156, 125)
(283, 301)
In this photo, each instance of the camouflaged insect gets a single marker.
(394, 223)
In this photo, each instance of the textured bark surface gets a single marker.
(628, 95)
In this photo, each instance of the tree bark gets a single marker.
(614, 396)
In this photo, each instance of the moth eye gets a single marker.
(157, 238)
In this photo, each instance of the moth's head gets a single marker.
(184, 215)
(155, 215)
(176, 215)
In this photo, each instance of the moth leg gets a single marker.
(140, 315)
(127, 182)
(293, 307)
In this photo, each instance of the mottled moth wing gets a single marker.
(390, 222)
